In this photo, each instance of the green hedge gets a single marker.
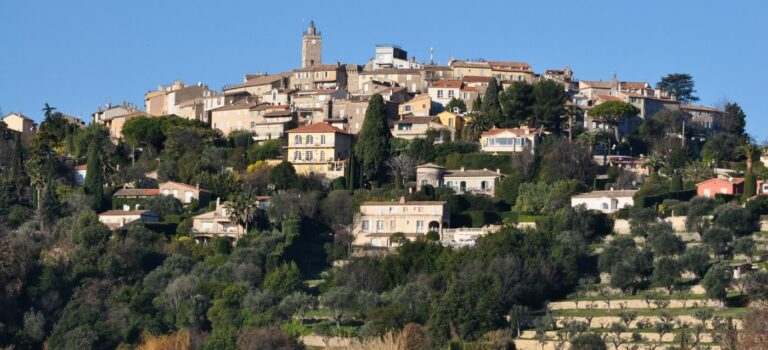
(475, 218)
(649, 201)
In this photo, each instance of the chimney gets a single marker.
(498, 171)
(402, 199)
(218, 202)
(462, 168)
(197, 185)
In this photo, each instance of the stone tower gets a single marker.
(311, 46)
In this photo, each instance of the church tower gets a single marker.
(311, 46)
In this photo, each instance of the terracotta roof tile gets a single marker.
(317, 127)
(145, 192)
(452, 84)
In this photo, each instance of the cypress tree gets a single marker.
(676, 183)
(372, 147)
(491, 106)
(750, 185)
(17, 167)
(94, 183)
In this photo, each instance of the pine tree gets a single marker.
(750, 185)
(372, 147)
(17, 167)
(94, 178)
(491, 106)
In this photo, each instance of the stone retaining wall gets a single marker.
(632, 304)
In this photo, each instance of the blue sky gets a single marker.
(78, 55)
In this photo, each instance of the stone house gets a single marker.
(319, 149)
(116, 219)
(185, 193)
(378, 221)
(21, 124)
(480, 182)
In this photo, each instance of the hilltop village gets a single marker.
(397, 204)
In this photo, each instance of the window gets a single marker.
(439, 93)
(419, 225)
(366, 226)
(253, 125)
(450, 93)
(392, 225)
(322, 139)
(297, 139)
(605, 206)
(420, 209)
(322, 156)
(274, 96)
(379, 225)
(308, 156)
(310, 139)
(408, 108)
(297, 155)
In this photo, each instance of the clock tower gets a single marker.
(311, 45)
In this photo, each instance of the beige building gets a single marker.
(705, 117)
(166, 99)
(419, 106)
(441, 92)
(349, 114)
(411, 79)
(216, 223)
(115, 125)
(116, 219)
(323, 76)
(378, 221)
(314, 106)
(434, 73)
(185, 193)
(319, 149)
(21, 124)
(509, 140)
(410, 128)
(257, 85)
(265, 120)
(481, 182)
(311, 46)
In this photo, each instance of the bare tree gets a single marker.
(404, 165)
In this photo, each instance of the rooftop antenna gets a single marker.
(431, 56)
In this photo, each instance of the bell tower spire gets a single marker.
(311, 46)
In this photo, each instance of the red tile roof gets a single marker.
(317, 127)
(608, 98)
(516, 131)
(735, 180)
(475, 79)
(524, 66)
(139, 192)
(81, 167)
(596, 84)
(454, 84)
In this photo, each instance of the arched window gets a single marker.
(297, 155)
(297, 139)
(310, 139)
(308, 156)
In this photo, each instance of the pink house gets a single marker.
(712, 187)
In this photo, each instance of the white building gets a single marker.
(392, 56)
(509, 140)
(461, 181)
(115, 219)
(604, 201)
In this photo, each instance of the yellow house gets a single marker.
(319, 149)
(378, 221)
(452, 121)
(21, 124)
(419, 106)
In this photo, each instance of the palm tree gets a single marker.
(750, 151)
(653, 163)
(242, 209)
(591, 139)
(48, 110)
(476, 124)
(572, 112)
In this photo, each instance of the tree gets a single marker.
(716, 281)
(696, 261)
(718, 239)
(144, 131)
(666, 273)
(491, 107)
(242, 209)
(17, 167)
(745, 246)
(94, 177)
(163, 205)
(591, 139)
(664, 241)
(339, 300)
(517, 315)
(516, 102)
(372, 145)
(588, 341)
(48, 110)
(733, 218)
(752, 336)
(679, 84)
(404, 166)
(572, 112)
(476, 124)
(284, 281)
(734, 120)
(283, 176)
(298, 304)
(455, 103)
(267, 338)
(613, 113)
(750, 152)
(549, 103)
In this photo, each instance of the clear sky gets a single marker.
(78, 55)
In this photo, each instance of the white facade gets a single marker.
(604, 201)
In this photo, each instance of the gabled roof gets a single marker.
(320, 68)
(137, 192)
(126, 213)
(183, 185)
(475, 79)
(516, 131)
(517, 66)
(472, 173)
(452, 84)
(596, 84)
(609, 98)
(317, 127)
(607, 194)
(430, 165)
(701, 108)
(418, 120)
(733, 180)
(18, 115)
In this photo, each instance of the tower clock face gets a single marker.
(313, 41)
